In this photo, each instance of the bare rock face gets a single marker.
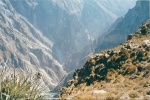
(24, 47)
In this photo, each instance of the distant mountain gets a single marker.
(71, 24)
(24, 47)
(127, 25)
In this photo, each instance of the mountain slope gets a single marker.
(24, 47)
(119, 73)
(129, 24)
(69, 23)
(122, 27)
(139, 15)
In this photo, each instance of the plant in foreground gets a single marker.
(14, 86)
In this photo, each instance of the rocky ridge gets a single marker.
(119, 73)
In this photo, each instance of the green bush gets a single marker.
(113, 62)
(140, 54)
(124, 55)
(143, 30)
(14, 87)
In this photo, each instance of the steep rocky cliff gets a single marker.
(24, 47)
(119, 73)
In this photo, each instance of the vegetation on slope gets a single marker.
(119, 73)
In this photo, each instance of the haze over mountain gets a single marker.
(71, 23)
(40, 35)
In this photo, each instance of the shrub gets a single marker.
(148, 66)
(113, 62)
(140, 54)
(14, 87)
(110, 74)
(129, 68)
(143, 30)
(129, 37)
(140, 68)
(124, 55)
(144, 58)
(146, 84)
(133, 94)
(133, 54)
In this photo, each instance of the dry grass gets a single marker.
(134, 89)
